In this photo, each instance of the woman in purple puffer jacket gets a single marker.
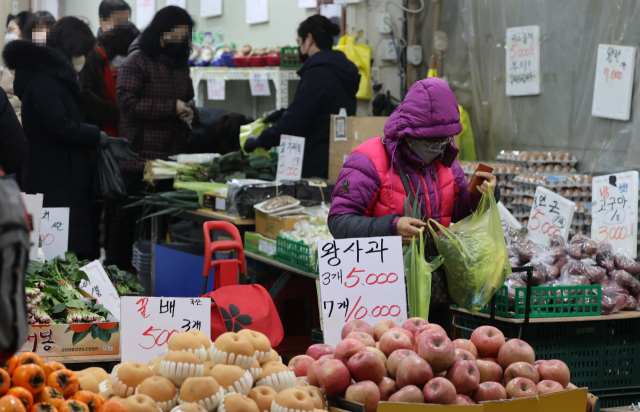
(416, 154)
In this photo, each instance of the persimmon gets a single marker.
(71, 405)
(23, 394)
(43, 407)
(27, 358)
(5, 381)
(65, 381)
(99, 401)
(10, 364)
(112, 406)
(50, 367)
(10, 403)
(50, 395)
(30, 377)
(89, 398)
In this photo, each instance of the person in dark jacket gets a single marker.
(153, 90)
(38, 27)
(59, 139)
(329, 82)
(13, 143)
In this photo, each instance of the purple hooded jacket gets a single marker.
(430, 110)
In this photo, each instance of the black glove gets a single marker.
(252, 143)
(117, 146)
(274, 115)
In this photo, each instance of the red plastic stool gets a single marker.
(227, 269)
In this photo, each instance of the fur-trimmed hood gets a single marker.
(29, 59)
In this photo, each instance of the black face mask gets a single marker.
(303, 57)
(176, 50)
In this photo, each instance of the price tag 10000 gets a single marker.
(551, 214)
(614, 210)
(360, 279)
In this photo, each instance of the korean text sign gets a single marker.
(614, 82)
(360, 279)
(551, 214)
(614, 210)
(290, 158)
(54, 231)
(148, 323)
(523, 60)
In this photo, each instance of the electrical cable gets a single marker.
(400, 71)
(406, 9)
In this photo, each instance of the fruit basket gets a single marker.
(296, 254)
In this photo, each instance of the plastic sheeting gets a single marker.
(559, 119)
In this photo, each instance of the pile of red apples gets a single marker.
(418, 363)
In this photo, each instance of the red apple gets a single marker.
(521, 388)
(489, 391)
(412, 324)
(437, 349)
(515, 350)
(439, 391)
(387, 388)
(405, 332)
(466, 345)
(356, 326)
(334, 377)
(521, 370)
(392, 341)
(312, 372)
(424, 330)
(347, 348)
(365, 338)
(463, 400)
(465, 376)
(366, 393)
(462, 354)
(571, 386)
(300, 364)
(548, 386)
(395, 358)
(413, 370)
(381, 327)
(487, 340)
(494, 360)
(408, 394)
(489, 371)
(555, 370)
(319, 350)
(366, 366)
(538, 363)
(378, 352)
(591, 402)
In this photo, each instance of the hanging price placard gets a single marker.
(551, 214)
(360, 279)
(216, 89)
(614, 81)
(614, 210)
(290, 158)
(509, 222)
(259, 83)
(523, 60)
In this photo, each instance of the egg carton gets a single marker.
(499, 168)
(524, 158)
(567, 181)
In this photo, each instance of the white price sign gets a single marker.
(148, 323)
(259, 83)
(54, 231)
(216, 89)
(523, 60)
(290, 158)
(550, 215)
(100, 287)
(509, 222)
(614, 82)
(614, 210)
(33, 203)
(360, 279)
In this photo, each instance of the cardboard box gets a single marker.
(73, 340)
(358, 130)
(256, 243)
(270, 226)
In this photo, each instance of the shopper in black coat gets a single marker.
(329, 82)
(13, 144)
(59, 163)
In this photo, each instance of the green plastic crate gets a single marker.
(295, 254)
(549, 302)
(616, 397)
(600, 354)
(290, 57)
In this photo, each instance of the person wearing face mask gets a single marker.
(15, 30)
(328, 82)
(59, 139)
(416, 154)
(153, 93)
(112, 14)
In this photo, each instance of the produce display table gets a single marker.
(625, 314)
(203, 215)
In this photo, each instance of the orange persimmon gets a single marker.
(30, 377)
(89, 398)
(50, 395)
(72, 405)
(50, 367)
(112, 406)
(27, 358)
(99, 401)
(65, 381)
(10, 403)
(10, 364)
(5, 381)
(43, 407)
(23, 394)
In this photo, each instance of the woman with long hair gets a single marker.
(16, 26)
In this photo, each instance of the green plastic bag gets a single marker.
(475, 255)
(255, 129)
(418, 276)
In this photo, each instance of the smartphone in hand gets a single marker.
(477, 180)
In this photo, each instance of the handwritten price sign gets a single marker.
(148, 323)
(614, 211)
(550, 215)
(54, 231)
(290, 158)
(509, 222)
(259, 83)
(614, 82)
(523, 60)
(216, 89)
(360, 279)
